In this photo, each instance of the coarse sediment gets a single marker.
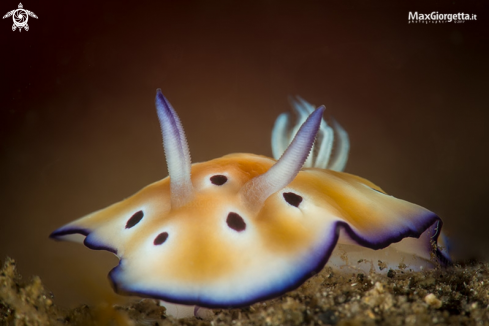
(457, 295)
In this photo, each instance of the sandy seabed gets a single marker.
(457, 295)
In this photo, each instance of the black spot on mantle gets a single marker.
(292, 199)
(160, 238)
(236, 222)
(219, 179)
(135, 219)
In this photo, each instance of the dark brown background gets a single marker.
(79, 129)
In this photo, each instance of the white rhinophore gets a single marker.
(176, 152)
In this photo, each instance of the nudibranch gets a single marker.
(245, 228)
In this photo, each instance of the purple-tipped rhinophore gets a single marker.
(176, 151)
(257, 190)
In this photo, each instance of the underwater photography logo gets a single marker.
(20, 17)
(436, 18)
